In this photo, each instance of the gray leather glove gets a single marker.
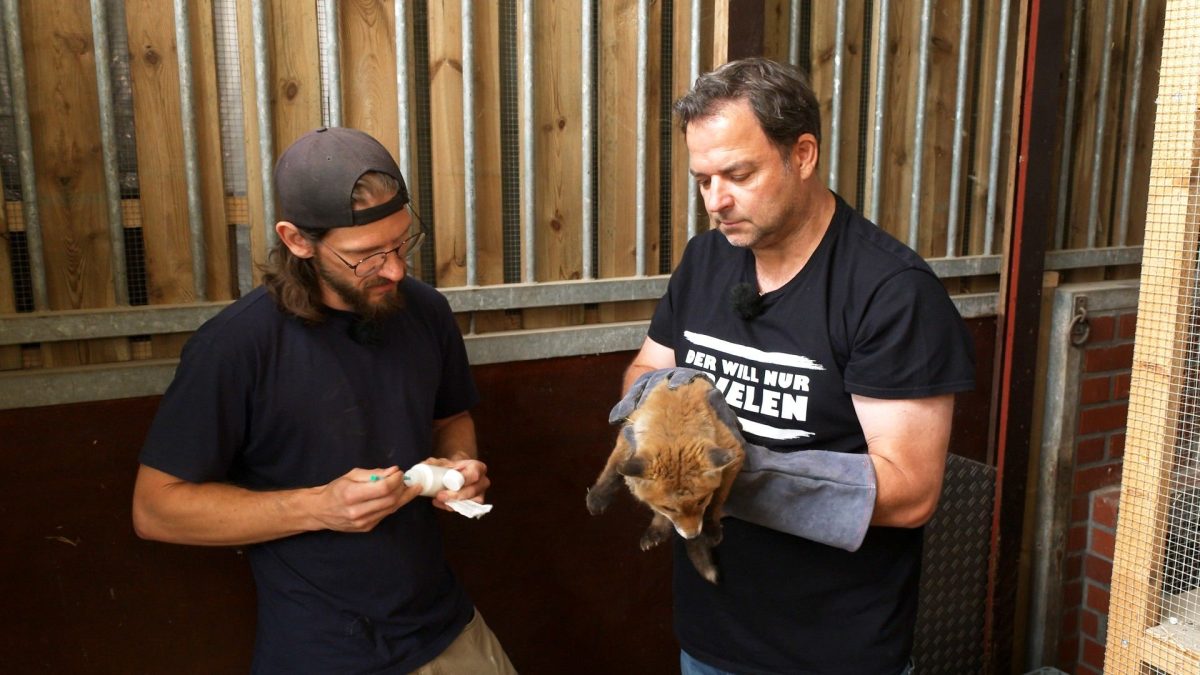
(824, 496)
(675, 377)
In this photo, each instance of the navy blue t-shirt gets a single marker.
(266, 401)
(864, 316)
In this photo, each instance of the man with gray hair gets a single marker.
(839, 353)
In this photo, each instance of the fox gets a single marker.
(678, 458)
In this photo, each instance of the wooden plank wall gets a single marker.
(64, 105)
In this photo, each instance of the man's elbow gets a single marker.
(918, 513)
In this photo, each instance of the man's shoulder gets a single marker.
(874, 251)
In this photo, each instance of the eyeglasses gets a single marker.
(375, 262)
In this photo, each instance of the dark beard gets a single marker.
(356, 298)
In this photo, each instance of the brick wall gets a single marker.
(1095, 491)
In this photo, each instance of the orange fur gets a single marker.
(681, 463)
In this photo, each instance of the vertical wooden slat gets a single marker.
(65, 125)
(681, 180)
(295, 69)
(824, 22)
(221, 281)
(369, 70)
(557, 119)
(939, 127)
(446, 148)
(250, 136)
(489, 224)
(154, 71)
(904, 30)
(776, 28)
(617, 126)
(1144, 135)
(617, 139)
(977, 182)
(10, 356)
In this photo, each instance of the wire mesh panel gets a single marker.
(1154, 614)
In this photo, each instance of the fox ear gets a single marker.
(634, 467)
(720, 457)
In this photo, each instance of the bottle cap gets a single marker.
(453, 480)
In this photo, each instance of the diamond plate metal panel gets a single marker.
(953, 594)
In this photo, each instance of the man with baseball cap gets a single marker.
(292, 413)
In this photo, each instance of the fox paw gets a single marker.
(652, 538)
(597, 501)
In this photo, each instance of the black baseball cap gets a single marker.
(315, 177)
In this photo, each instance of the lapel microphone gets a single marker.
(746, 301)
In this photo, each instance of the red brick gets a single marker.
(1080, 509)
(1121, 387)
(1077, 538)
(1116, 446)
(1090, 450)
(1104, 507)
(1073, 594)
(1096, 477)
(1128, 325)
(1070, 622)
(1097, 598)
(1098, 569)
(1102, 328)
(1073, 567)
(1102, 544)
(1099, 359)
(1095, 390)
(1104, 418)
(1089, 624)
(1093, 654)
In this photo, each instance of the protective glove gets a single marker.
(824, 496)
(675, 377)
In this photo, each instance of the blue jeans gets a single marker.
(690, 666)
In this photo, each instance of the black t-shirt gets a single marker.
(265, 401)
(864, 316)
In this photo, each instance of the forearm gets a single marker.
(219, 514)
(454, 437)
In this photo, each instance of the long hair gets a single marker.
(293, 282)
(782, 100)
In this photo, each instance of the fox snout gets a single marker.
(689, 529)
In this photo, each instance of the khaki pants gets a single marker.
(475, 651)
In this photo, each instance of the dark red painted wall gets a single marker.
(565, 591)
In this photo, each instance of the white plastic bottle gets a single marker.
(434, 479)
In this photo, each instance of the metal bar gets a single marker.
(29, 205)
(468, 103)
(877, 152)
(589, 114)
(191, 163)
(960, 123)
(1139, 48)
(643, 114)
(1068, 145)
(333, 60)
(835, 113)
(1019, 317)
(262, 95)
(918, 154)
(693, 199)
(989, 229)
(108, 151)
(1093, 222)
(528, 191)
(405, 152)
(793, 30)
